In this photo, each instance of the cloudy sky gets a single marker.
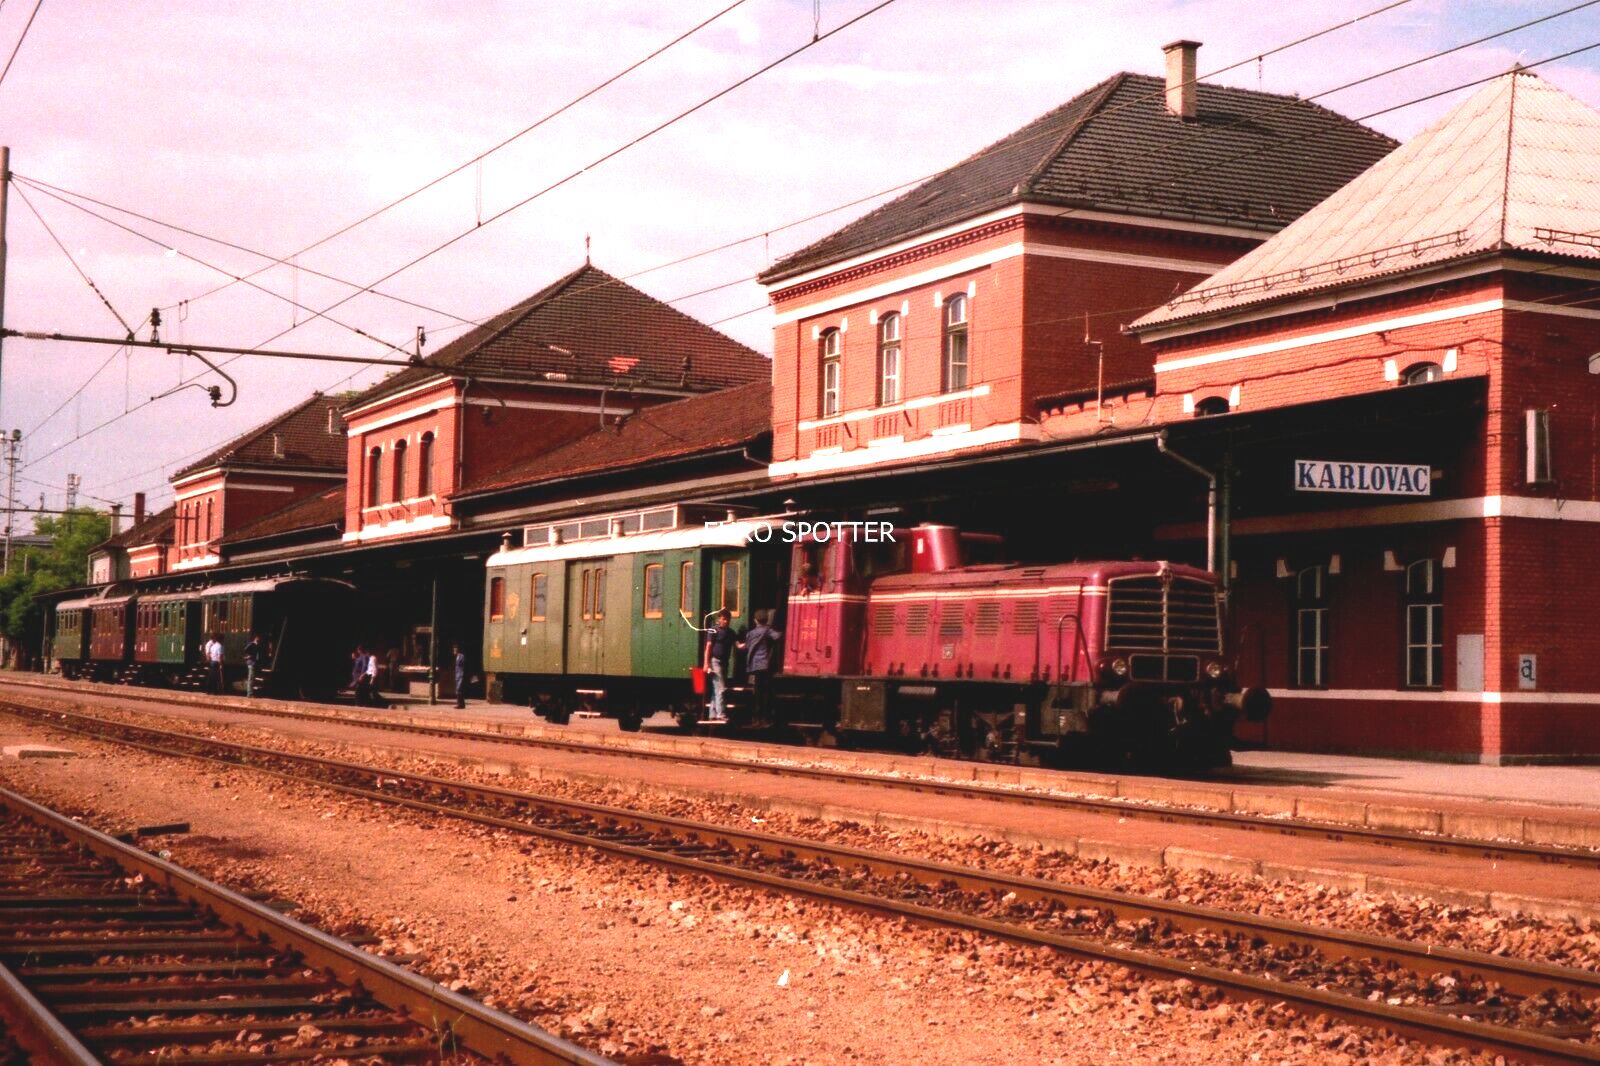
(273, 124)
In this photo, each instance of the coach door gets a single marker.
(586, 616)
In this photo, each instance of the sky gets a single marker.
(270, 124)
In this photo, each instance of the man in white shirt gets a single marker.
(372, 681)
(214, 677)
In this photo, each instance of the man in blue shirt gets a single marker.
(720, 643)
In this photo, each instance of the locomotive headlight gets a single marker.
(1119, 667)
(1213, 670)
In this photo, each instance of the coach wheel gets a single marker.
(629, 722)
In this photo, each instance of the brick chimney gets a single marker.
(1181, 77)
(116, 519)
(138, 509)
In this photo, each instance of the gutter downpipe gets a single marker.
(1211, 499)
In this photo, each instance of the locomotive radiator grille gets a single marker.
(1175, 616)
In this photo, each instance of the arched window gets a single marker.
(399, 489)
(889, 359)
(1311, 627)
(1594, 363)
(1211, 405)
(425, 465)
(374, 474)
(832, 348)
(1424, 607)
(1421, 374)
(954, 375)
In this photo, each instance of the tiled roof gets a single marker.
(724, 419)
(591, 327)
(155, 529)
(303, 440)
(1249, 159)
(310, 512)
(1516, 166)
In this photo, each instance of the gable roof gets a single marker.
(302, 437)
(155, 529)
(1249, 159)
(1516, 166)
(316, 511)
(718, 420)
(593, 328)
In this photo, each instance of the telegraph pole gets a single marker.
(5, 190)
(13, 445)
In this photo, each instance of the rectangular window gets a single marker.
(599, 592)
(686, 589)
(1311, 647)
(730, 587)
(954, 376)
(653, 574)
(497, 599)
(537, 594)
(1424, 645)
(1537, 465)
(588, 595)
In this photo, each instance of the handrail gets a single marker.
(1076, 617)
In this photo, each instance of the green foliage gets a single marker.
(36, 571)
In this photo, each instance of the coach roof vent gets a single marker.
(1181, 77)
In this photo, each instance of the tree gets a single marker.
(38, 571)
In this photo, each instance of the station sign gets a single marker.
(1372, 479)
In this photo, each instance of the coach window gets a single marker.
(889, 359)
(832, 348)
(374, 472)
(399, 488)
(955, 343)
(586, 610)
(1421, 374)
(686, 589)
(730, 587)
(1311, 628)
(1424, 605)
(653, 574)
(600, 592)
(425, 465)
(537, 595)
(497, 599)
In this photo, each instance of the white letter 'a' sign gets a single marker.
(1372, 479)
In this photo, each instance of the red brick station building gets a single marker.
(1167, 319)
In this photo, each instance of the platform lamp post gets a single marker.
(433, 645)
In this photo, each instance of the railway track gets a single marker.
(1525, 1010)
(110, 954)
(1412, 840)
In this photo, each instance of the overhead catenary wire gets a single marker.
(13, 57)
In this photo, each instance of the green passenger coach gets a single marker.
(605, 614)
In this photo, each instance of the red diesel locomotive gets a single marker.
(1072, 663)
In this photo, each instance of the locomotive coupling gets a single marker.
(1253, 703)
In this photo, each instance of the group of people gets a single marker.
(216, 673)
(364, 674)
(760, 646)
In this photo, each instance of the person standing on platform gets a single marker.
(358, 677)
(252, 661)
(761, 652)
(372, 681)
(214, 678)
(459, 659)
(719, 650)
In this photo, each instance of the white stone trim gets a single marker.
(837, 459)
(232, 486)
(402, 416)
(1467, 508)
(420, 524)
(1433, 695)
(545, 405)
(904, 405)
(1443, 314)
(439, 380)
(211, 559)
(982, 259)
